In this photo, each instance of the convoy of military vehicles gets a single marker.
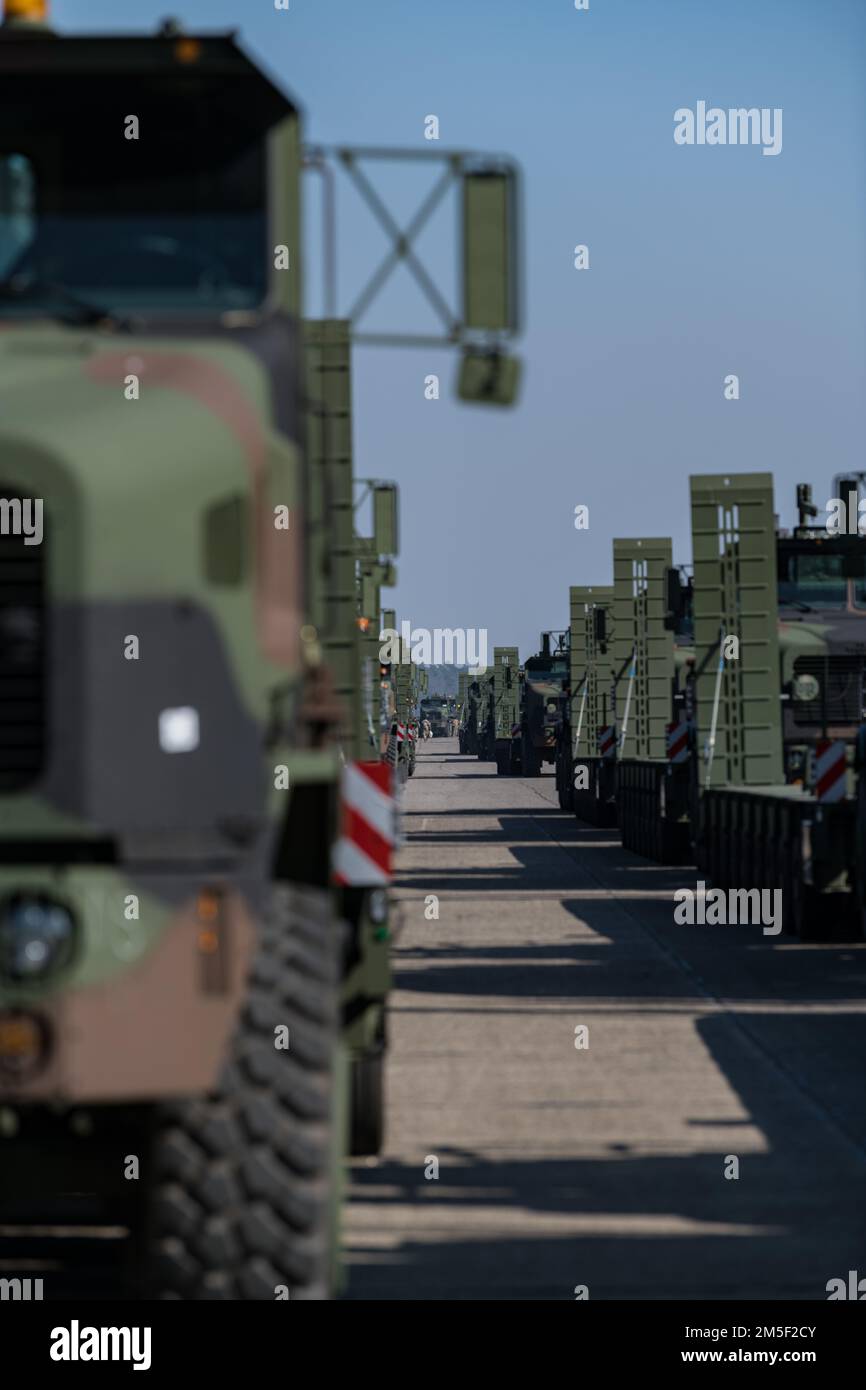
(203, 741)
(715, 714)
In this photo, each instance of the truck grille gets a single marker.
(841, 681)
(22, 656)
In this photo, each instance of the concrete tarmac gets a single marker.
(601, 1159)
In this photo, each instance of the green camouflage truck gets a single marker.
(653, 776)
(172, 956)
(780, 650)
(169, 794)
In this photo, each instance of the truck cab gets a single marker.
(821, 586)
(545, 681)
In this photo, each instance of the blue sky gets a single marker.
(704, 261)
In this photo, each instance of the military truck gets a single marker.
(542, 692)
(171, 950)
(486, 718)
(474, 710)
(592, 705)
(365, 867)
(435, 709)
(406, 689)
(653, 646)
(777, 691)
(462, 685)
(572, 725)
(389, 651)
(506, 685)
(375, 570)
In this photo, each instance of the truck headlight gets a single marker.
(37, 937)
(805, 687)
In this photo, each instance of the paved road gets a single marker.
(602, 1166)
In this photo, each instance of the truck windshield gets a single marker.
(174, 219)
(554, 674)
(813, 580)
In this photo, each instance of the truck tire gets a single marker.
(368, 1103)
(798, 901)
(564, 786)
(241, 1199)
(530, 762)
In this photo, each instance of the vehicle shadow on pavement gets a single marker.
(627, 1225)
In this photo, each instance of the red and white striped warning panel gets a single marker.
(830, 780)
(606, 740)
(677, 739)
(362, 856)
(401, 733)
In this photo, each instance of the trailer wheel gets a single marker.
(241, 1195)
(859, 904)
(798, 903)
(565, 791)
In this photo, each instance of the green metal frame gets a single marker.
(506, 698)
(643, 647)
(738, 718)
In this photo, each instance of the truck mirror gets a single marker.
(488, 378)
(385, 540)
(490, 250)
(599, 625)
(388, 576)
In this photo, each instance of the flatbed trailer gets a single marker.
(776, 801)
(654, 744)
(506, 707)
